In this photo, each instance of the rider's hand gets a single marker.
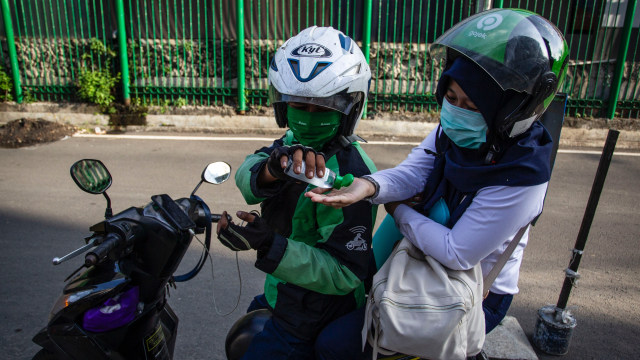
(358, 190)
(256, 234)
(277, 162)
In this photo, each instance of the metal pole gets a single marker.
(499, 4)
(242, 106)
(13, 55)
(366, 41)
(122, 45)
(594, 197)
(482, 5)
(622, 57)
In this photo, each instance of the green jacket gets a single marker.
(316, 268)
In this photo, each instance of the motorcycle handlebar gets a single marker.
(111, 241)
(216, 217)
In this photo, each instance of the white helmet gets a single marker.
(324, 67)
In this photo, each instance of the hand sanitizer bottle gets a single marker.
(329, 180)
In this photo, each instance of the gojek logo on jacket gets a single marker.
(358, 243)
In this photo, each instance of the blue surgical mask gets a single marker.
(464, 127)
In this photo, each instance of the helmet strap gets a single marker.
(493, 150)
(505, 127)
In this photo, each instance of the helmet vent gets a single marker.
(317, 69)
(345, 42)
(273, 65)
(354, 70)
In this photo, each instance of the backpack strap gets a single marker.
(373, 340)
(493, 274)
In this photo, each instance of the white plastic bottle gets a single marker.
(329, 180)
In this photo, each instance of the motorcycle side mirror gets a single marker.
(93, 177)
(215, 173)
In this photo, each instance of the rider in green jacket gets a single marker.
(316, 257)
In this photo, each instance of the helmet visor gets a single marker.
(342, 101)
(514, 46)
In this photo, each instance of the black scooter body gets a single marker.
(139, 247)
(150, 335)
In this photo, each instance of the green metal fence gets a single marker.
(54, 41)
(178, 52)
(216, 52)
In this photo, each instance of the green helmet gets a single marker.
(520, 50)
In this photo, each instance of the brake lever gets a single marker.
(56, 260)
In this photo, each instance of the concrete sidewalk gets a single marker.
(380, 127)
(385, 126)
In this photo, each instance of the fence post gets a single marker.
(366, 40)
(122, 45)
(499, 4)
(622, 57)
(242, 106)
(13, 56)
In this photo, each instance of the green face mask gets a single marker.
(313, 129)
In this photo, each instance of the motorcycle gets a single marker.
(117, 307)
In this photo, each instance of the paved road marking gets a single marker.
(173, 137)
(261, 139)
(568, 151)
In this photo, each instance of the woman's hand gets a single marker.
(358, 190)
(391, 206)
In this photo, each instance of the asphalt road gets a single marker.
(43, 214)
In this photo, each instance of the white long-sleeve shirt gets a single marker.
(483, 231)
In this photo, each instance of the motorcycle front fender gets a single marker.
(77, 344)
(44, 341)
(159, 345)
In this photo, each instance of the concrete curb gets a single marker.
(508, 341)
(381, 127)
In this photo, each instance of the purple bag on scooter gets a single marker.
(113, 313)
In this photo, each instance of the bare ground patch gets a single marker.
(29, 132)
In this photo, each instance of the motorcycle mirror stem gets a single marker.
(108, 212)
(197, 187)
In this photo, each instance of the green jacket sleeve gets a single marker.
(244, 177)
(247, 175)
